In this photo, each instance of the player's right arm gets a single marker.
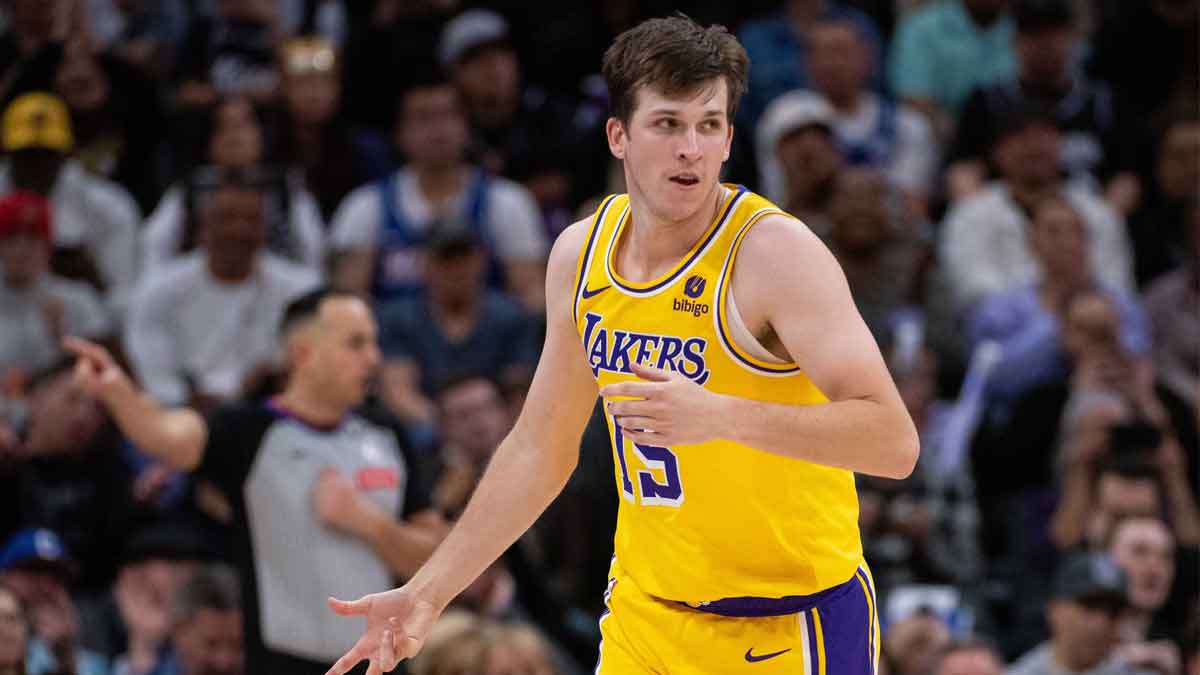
(527, 471)
(174, 435)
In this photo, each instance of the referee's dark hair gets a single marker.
(305, 308)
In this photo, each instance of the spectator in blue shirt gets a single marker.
(455, 325)
(1027, 321)
(776, 46)
(944, 50)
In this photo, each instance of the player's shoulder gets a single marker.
(247, 419)
(568, 246)
(779, 236)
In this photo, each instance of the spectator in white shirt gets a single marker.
(872, 130)
(95, 220)
(379, 230)
(233, 141)
(985, 239)
(798, 157)
(201, 325)
(37, 308)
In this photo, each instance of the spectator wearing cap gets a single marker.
(873, 130)
(985, 245)
(95, 220)
(37, 307)
(1096, 131)
(1088, 593)
(230, 144)
(456, 325)
(943, 50)
(798, 157)
(35, 564)
(334, 157)
(1027, 320)
(322, 500)
(519, 130)
(379, 230)
(778, 48)
(202, 324)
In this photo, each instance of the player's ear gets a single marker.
(296, 348)
(728, 140)
(614, 130)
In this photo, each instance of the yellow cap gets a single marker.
(37, 120)
(302, 56)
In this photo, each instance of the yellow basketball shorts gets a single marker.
(834, 632)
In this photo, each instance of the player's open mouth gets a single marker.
(685, 179)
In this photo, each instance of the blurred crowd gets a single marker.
(1011, 186)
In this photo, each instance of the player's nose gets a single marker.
(689, 145)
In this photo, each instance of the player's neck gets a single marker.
(653, 244)
(306, 403)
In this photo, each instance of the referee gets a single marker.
(323, 499)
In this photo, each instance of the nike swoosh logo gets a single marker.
(763, 657)
(594, 292)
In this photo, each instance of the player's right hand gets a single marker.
(397, 624)
(95, 370)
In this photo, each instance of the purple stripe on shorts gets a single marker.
(758, 607)
(873, 611)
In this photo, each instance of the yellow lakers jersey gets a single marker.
(715, 520)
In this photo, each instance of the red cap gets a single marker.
(27, 213)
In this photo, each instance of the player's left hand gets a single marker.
(667, 408)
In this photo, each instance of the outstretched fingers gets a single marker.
(350, 608)
(350, 659)
(85, 349)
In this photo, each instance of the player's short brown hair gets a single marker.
(676, 56)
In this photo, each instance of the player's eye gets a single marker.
(667, 123)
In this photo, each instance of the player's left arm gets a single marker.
(786, 278)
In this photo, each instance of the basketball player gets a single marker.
(743, 392)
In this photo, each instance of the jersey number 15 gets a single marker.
(654, 458)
